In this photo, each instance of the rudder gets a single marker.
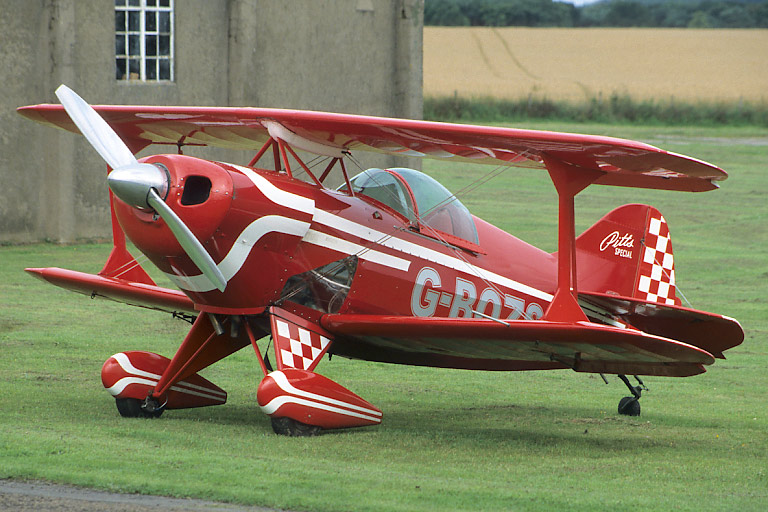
(629, 253)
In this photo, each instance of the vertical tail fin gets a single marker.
(628, 252)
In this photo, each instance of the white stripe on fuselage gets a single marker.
(410, 248)
(241, 249)
(325, 218)
(278, 195)
(345, 246)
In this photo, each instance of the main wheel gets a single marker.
(293, 428)
(629, 406)
(131, 408)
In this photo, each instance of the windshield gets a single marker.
(385, 188)
(435, 207)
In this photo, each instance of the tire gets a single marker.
(131, 408)
(629, 406)
(293, 428)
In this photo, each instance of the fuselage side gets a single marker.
(276, 227)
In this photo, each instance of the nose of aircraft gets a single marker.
(133, 183)
(137, 183)
(191, 198)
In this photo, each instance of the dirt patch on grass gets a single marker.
(34, 496)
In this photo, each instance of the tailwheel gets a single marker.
(135, 408)
(630, 405)
(290, 427)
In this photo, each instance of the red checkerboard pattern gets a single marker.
(656, 279)
(296, 346)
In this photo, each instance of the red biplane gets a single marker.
(389, 266)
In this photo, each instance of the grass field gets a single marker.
(450, 440)
(582, 64)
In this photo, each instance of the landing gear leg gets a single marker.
(630, 405)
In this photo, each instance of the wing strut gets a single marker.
(569, 180)
(281, 148)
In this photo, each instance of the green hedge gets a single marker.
(615, 108)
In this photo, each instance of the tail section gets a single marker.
(629, 253)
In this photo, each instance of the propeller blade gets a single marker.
(188, 241)
(135, 183)
(101, 136)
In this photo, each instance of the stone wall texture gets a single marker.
(353, 56)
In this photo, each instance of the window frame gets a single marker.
(143, 7)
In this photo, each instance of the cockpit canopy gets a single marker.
(427, 204)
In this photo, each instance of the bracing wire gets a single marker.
(128, 266)
(496, 171)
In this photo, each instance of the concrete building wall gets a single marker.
(355, 56)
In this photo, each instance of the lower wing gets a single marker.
(120, 290)
(513, 345)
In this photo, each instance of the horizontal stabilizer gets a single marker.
(708, 331)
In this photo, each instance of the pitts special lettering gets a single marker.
(622, 245)
(428, 295)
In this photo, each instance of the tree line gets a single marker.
(607, 13)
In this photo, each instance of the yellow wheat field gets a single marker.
(574, 64)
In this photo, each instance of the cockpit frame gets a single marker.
(425, 205)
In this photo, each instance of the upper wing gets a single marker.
(623, 162)
(512, 345)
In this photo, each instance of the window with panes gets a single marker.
(144, 40)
